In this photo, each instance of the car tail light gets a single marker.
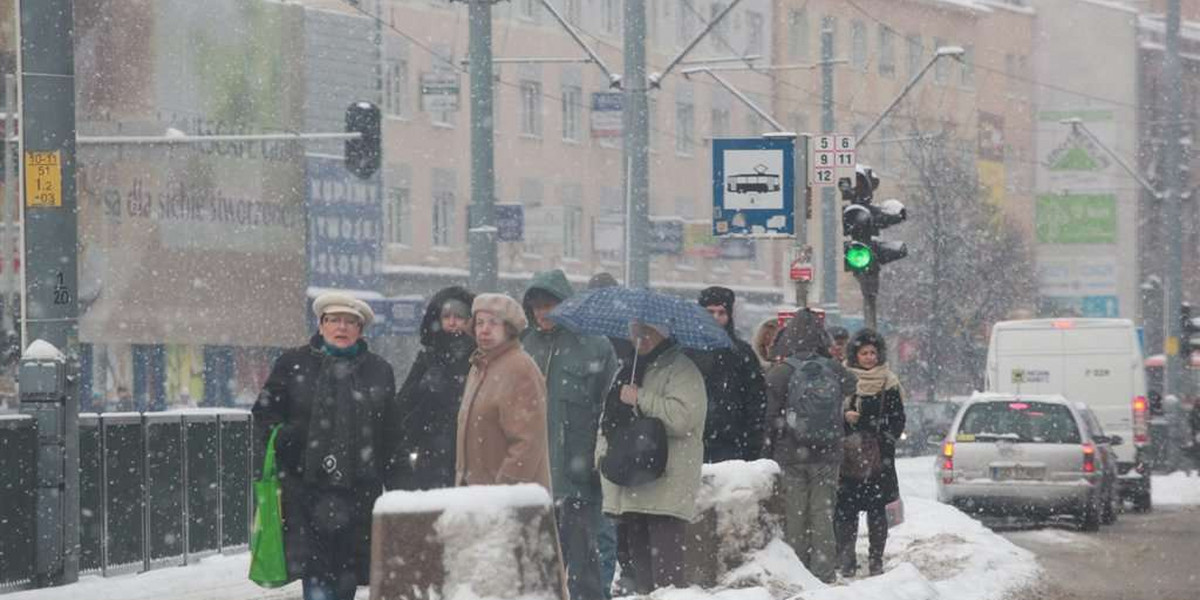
(1089, 458)
(1141, 432)
(948, 462)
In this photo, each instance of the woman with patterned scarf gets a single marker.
(876, 409)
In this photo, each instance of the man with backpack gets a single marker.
(805, 426)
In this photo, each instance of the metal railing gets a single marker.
(157, 489)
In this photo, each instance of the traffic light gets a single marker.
(363, 154)
(862, 221)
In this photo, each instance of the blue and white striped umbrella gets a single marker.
(609, 311)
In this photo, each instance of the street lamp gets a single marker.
(942, 52)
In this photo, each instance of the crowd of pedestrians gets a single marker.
(502, 393)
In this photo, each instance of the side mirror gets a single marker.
(934, 440)
(1115, 440)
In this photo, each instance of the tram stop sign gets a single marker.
(753, 187)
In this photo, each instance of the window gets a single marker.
(685, 122)
(443, 218)
(887, 51)
(829, 37)
(572, 113)
(719, 36)
(858, 44)
(798, 34)
(916, 54)
(755, 40)
(529, 9)
(720, 122)
(532, 197)
(1037, 422)
(397, 216)
(531, 108)
(573, 11)
(683, 22)
(572, 231)
(395, 101)
(443, 65)
(941, 69)
(968, 66)
(612, 16)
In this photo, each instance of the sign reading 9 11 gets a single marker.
(753, 187)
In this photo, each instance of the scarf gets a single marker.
(333, 457)
(874, 380)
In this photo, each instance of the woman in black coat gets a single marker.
(877, 409)
(334, 403)
(431, 394)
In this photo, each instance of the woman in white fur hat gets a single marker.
(334, 402)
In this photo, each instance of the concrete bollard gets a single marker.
(494, 542)
(741, 510)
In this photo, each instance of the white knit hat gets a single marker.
(337, 302)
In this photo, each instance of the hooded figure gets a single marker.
(877, 408)
(430, 396)
(809, 478)
(764, 340)
(334, 402)
(578, 371)
(737, 397)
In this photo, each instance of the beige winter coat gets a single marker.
(673, 390)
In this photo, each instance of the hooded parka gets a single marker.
(578, 370)
(338, 419)
(429, 400)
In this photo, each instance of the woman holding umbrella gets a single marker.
(662, 383)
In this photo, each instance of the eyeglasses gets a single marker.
(345, 320)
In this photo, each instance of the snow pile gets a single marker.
(1176, 489)
(904, 582)
(737, 492)
(776, 569)
(42, 350)
(471, 498)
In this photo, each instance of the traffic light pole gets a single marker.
(49, 308)
(484, 273)
(868, 283)
(1173, 207)
(635, 123)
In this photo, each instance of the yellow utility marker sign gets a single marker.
(43, 179)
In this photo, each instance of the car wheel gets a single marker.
(1141, 502)
(1111, 507)
(1090, 519)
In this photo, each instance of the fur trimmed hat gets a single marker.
(337, 302)
(504, 307)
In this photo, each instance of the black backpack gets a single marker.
(814, 410)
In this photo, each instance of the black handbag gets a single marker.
(637, 452)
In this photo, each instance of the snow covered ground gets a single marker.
(938, 553)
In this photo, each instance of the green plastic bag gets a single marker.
(268, 566)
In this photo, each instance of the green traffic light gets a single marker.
(859, 256)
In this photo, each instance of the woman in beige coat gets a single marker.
(651, 517)
(502, 420)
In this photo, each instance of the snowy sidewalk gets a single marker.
(938, 553)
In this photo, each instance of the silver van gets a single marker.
(1031, 455)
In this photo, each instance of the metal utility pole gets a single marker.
(829, 245)
(636, 127)
(484, 273)
(50, 311)
(12, 234)
(1173, 207)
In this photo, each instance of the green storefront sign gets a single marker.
(1077, 219)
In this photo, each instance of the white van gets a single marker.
(1094, 361)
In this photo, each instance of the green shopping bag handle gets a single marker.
(268, 471)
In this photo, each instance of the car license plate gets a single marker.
(1018, 473)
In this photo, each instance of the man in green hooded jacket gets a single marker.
(579, 370)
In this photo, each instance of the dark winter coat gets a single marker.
(429, 401)
(882, 414)
(578, 371)
(803, 339)
(737, 401)
(338, 417)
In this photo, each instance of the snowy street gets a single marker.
(937, 553)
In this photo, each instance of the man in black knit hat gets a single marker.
(737, 397)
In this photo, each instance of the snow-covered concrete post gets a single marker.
(470, 543)
(741, 512)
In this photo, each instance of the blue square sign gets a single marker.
(754, 187)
